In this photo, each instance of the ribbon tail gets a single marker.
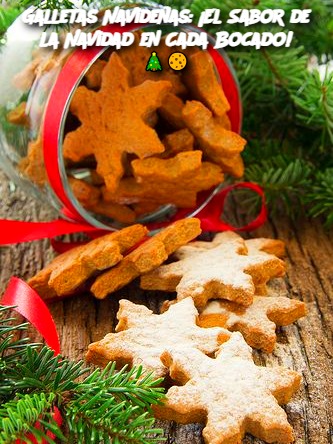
(30, 305)
(14, 231)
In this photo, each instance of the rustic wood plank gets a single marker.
(306, 346)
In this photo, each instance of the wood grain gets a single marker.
(306, 346)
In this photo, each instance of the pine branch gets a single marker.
(284, 180)
(315, 104)
(105, 406)
(20, 417)
(321, 196)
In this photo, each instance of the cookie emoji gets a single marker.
(141, 336)
(70, 270)
(222, 271)
(229, 394)
(177, 61)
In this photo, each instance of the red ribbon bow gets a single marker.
(29, 304)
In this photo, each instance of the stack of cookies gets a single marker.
(202, 340)
(138, 140)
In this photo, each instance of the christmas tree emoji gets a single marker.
(154, 63)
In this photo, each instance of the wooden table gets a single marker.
(306, 346)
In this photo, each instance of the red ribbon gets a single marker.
(12, 231)
(16, 231)
(210, 215)
(29, 304)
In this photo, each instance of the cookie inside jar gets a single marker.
(143, 139)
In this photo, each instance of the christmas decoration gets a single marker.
(36, 388)
(154, 63)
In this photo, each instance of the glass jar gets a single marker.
(36, 89)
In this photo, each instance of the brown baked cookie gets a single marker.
(91, 199)
(200, 78)
(18, 115)
(126, 132)
(120, 213)
(33, 164)
(147, 256)
(93, 77)
(221, 146)
(171, 110)
(252, 246)
(69, 271)
(230, 394)
(167, 181)
(141, 336)
(258, 322)
(177, 142)
(222, 271)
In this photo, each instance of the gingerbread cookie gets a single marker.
(126, 132)
(253, 246)
(117, 212)
(90, 198)
(69, 271)
(171, 111)
(177, 142)
(230, 394)
(200, 78)
(141, 336)
(147, 256)
(222, 271)
(167, 181)
(258, 322)
(88, 195)
(220, 145)
(18, 115)
(33, 164)
(270, 246)
(93, 77)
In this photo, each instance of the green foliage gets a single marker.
(18, 418)
(7, 15)
(288, 108)
(285, 181)
(321, 195)
(97, 406)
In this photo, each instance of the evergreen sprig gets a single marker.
(288, 108)
(97, 406)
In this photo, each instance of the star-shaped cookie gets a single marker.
(258, 322)
(230, 394)
(141, 336)
(223, 270)
(114, 121)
